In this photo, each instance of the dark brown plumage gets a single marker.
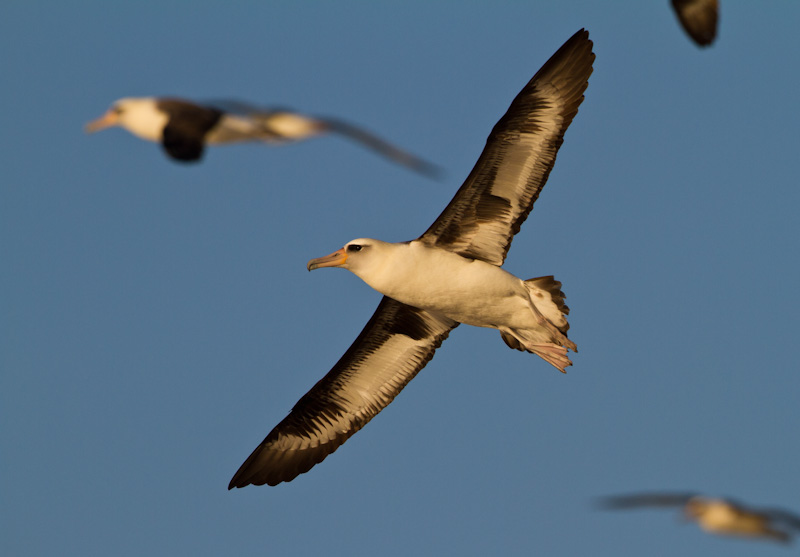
(698, 18)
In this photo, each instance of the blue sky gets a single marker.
(158, 319)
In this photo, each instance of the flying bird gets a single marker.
(451, 274)
(698, 18)
(721, 516)
(185, 128)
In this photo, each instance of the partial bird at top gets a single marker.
(722, 516)
(184, 128)
(451, 274)
(698, 18)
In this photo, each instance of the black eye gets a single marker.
(354, 247)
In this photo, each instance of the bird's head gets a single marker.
(139, 115)
(357, 256)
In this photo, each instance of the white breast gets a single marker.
(466, 290)
(142, 118)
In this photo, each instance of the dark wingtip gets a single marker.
(243, 476)
(236, 481)
(429, 170)
(382, 147)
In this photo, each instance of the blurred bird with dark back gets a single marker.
(185, 128)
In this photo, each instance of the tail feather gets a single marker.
(546, 294)
(550, 352)
(548, 305)
(553, 286)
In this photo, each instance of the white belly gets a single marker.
(465, 290)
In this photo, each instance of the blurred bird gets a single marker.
(185, 128)
(698, 18)
(722, 516)
(451, 274)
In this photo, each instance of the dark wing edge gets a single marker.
(397, 342)
(699, 19)
(784, 517)
(382, 147)
(637, 500)
(499, 193)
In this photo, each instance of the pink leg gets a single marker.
(552, 354)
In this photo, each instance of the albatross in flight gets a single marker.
(717, 515)
(185, 128)
(451, 274)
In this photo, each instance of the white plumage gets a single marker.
(466, 290)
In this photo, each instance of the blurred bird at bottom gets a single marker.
(722, 516)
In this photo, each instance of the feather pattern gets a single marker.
(479, 223)
(499, 193)
(393, 347)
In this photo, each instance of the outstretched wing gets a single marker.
(382, 147)
(786, 518)
(393, 347)
(278, 125)
(499, 193)
(638, 500)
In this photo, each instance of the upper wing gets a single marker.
(396, 343)
(382, 147)
(499, 193)
(283, 124)
(698, 18)
(645, 500)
